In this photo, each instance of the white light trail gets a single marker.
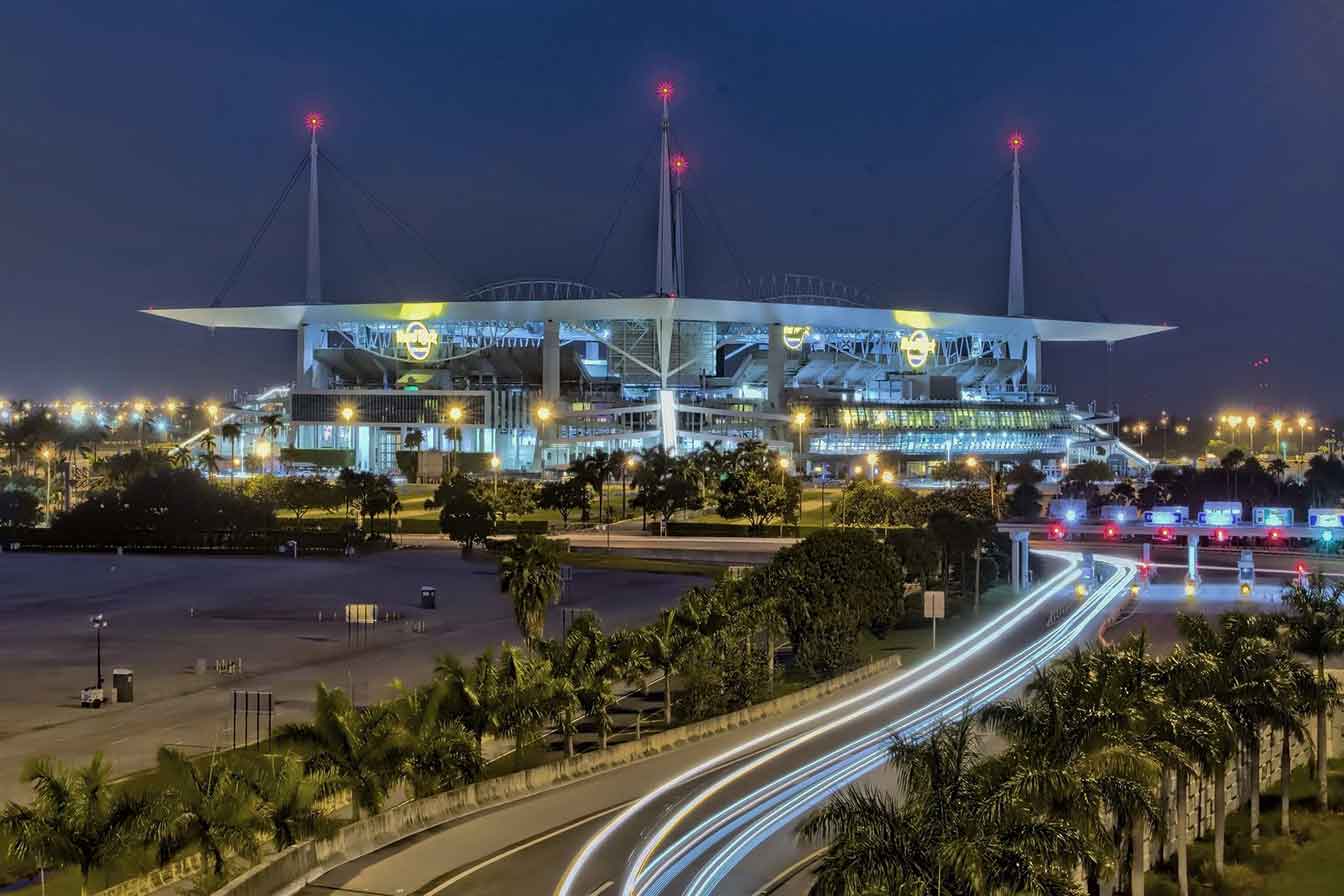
(930, 669)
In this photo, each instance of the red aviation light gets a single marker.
(1015, 142)
(679, 164)
(313, 121)
(665, 90)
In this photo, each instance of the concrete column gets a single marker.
(1021, 560)
(775, 367)
(550, 361)
(1034, 361)
(1192, 557)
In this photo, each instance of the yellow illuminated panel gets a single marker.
(918, 347)
(418, 339)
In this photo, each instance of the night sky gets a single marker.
(1182, 166)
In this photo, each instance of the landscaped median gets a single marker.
(286, 872)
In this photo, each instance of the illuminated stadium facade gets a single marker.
(537, 372)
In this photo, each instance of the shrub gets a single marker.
(1160, 885)
(1238, 880)
(1274, 854)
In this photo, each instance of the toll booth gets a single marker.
(1327, 521)
(1220, 513)
(1272, 516)
(1166, 516)
(1068, 510)
(1246, 574)
(1119, 514)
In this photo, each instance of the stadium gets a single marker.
(534, 372)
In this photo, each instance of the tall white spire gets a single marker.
(665, 273)
(678, 234)
(312, 292)
(1017, 300)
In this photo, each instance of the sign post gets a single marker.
(934, 608)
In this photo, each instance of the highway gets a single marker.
(717, 816)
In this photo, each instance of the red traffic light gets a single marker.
(1275, 535)
(1057, 531)
(1110, 532)
(1220, 535)
(1301, 568)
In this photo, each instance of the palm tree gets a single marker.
(271, 427)
(1277, 468)
(442, 753)
(291, 799)
(474, 696)
(231, 433)
(180, 456)
(1077, 751)
(206, 809)
(1316, 629)
(592, 662)
(1245, 658)
(529, 697)
(947, 829)
(667, 642)
(1296, 686)
(1193, 724)
(75, 818)
(529, 572)
(209, 462)
(362, 748)
(414, 440)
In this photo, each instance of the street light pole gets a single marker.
(99, 622)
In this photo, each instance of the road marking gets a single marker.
(788, 873)
(527, 844)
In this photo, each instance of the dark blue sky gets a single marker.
(1182, 166)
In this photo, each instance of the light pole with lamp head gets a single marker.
(99, 622)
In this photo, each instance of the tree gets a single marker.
(665, 484)
(592, 662)
(301, 494)
(472, 695)
(752, 485)
(464, 515)
(1081, 479)
(829, 586)
(592, 470)
(512, 497)
(271, 427)
(415, 440)
(667, 642)
(949, 831)
(362, 748)
(528, 697)
(442, 753)
(75, 818)
(203, 809)
(1316, 628)
(1277, 468)
(231, 433)
(1076, 751)
(1025, 502)
(529, 573)
(291, 799)
(19, 508)
(564, 496)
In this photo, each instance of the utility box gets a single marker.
(123, 684)
(429, 597)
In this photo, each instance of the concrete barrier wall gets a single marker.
(288, 871)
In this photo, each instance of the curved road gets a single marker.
(718, 816)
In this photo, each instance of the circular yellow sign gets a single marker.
(418, 339)
(918, 347)
(794, 336)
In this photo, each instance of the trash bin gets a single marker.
(123, 682)
(429, 597)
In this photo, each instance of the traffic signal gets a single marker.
(1057, 532)
(1220, 535)
(1110, 532)
(1275, 534)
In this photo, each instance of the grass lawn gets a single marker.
(1307, 863)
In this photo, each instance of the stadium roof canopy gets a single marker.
(291, 316)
